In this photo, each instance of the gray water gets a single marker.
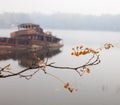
(100, 87)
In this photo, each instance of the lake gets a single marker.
(100, 87)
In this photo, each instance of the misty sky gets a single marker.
(94, 7)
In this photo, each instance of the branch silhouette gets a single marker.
(39, 64)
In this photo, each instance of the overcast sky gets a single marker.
(94, 7)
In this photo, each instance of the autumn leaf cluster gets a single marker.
(81, 50)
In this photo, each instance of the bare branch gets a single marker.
(42, 64)
(38, 64)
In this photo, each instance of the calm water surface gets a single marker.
(100, 87)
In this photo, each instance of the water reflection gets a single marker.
(100, 87)
(25, 57)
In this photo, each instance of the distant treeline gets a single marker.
(62, 21)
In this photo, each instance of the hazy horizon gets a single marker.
(62, 21)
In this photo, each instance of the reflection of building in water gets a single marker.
(26, 57)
